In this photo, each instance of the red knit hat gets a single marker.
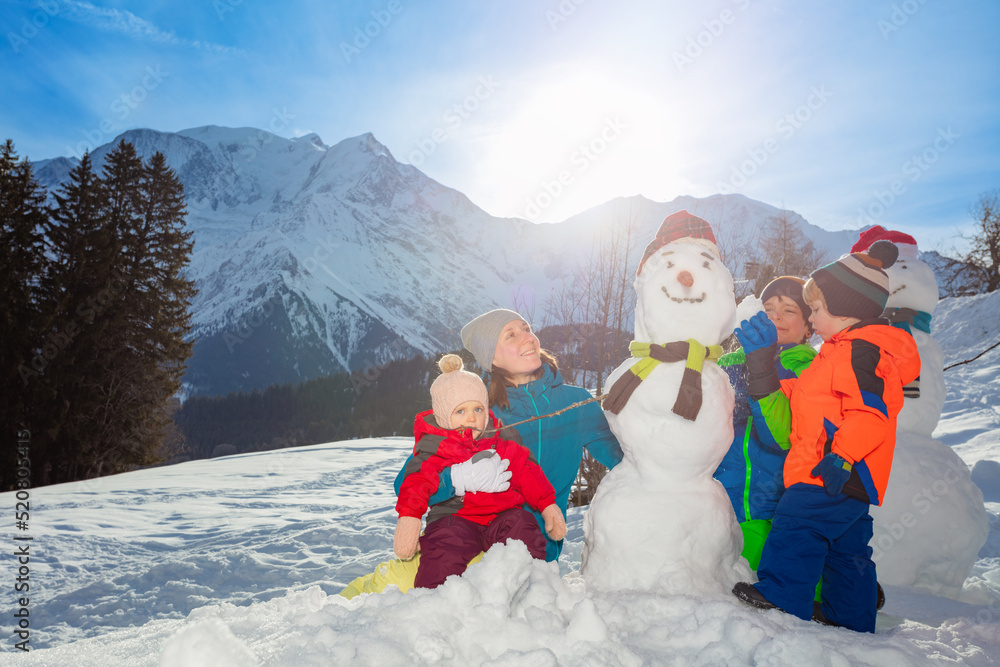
(906, 244)
(681, 226)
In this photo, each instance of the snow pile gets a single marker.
(509, 610)
(237, 561)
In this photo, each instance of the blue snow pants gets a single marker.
(816, 534)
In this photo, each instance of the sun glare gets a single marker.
(566, 145)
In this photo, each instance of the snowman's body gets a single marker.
(659, 520)
(932, 523)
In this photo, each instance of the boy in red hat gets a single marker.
(467, 524)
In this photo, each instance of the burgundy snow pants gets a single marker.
(449, 543)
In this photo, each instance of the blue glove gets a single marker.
(756, 333)
(759, 339)
(835, 472)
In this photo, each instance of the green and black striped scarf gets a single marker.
(689, 396)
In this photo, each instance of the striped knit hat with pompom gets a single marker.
(856, 285)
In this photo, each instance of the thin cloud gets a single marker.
(126, 23)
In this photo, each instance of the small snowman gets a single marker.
(932, 523)
(659, 521)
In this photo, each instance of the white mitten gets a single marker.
(555, 522)
(407, 537)
(485, 474)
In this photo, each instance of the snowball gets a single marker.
(986, 475)
(749, 306)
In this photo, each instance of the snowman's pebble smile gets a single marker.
(678, 299)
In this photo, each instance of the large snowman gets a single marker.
(932, 523)
(659, 521)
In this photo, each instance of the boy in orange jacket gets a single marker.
(843, 433)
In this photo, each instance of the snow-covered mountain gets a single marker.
(311, 259)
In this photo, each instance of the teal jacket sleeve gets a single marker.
(445, 489)
(598, 438)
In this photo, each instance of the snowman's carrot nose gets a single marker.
(685, 278)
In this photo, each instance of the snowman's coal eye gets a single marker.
(670, 264)
(706, 265)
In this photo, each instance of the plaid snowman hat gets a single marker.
(681, 226)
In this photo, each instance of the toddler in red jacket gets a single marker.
(461, 527)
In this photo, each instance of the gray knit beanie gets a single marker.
(480, 336)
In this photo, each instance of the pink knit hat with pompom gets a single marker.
(453, 387)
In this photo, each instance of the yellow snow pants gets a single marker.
(395, 572)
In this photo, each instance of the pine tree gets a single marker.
(121, 431)
(23, 215)
(144, 365)
(162, 295)
(97, 315)
(77, 290)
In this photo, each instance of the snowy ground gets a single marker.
(238, 561)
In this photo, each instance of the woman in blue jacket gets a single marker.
(524, 382)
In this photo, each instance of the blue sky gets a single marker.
(851, 112)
